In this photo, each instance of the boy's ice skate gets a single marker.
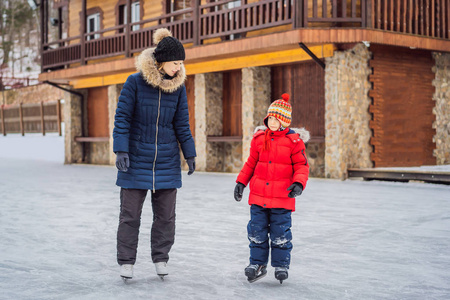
(281, 274)
(126, 272)
(161, 269)
(255, 272)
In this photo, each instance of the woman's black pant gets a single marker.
(163, 227)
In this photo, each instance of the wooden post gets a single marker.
(3, 121)
(42, 118)
(305, 13)
(58, 116)
(42, 17)
(46, 21)
(128, 30)
(433, 18)
(22, 129)
(82, 32)
(364, 9)
(195, 22)
(60, 29)
(297, 15)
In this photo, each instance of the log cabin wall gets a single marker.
(97, 111)
(98, 125)
(232, 103)
(149, 9)
(305, 83)
(402, 107)
(109, 16)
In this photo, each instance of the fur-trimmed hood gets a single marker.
(302, 132)
(146, 65)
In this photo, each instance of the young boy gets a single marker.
(277, 170)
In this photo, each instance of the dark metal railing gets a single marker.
(221, 19)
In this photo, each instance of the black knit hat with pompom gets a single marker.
(168, 48)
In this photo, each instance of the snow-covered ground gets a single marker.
(352, 239)
(32, 146)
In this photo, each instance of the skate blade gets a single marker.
(162, 276)
(125, 279)
(282, 278)
(257, 277)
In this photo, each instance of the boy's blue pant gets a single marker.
(277, 223)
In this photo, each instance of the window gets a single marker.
(175, 5)
(135, 15)
(93, 24)
(229, 6)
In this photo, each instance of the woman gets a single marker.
(151, 120)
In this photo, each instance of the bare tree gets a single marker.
(14, 14)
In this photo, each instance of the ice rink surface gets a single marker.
(352, 239)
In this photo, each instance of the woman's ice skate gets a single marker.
(161, 269)
(126, 272)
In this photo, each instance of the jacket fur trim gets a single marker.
(302, 132)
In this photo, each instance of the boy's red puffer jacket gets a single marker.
(271, 172)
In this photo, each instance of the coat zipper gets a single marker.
(156, 141)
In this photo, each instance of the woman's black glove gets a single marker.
(122, 161)
(191, 163)
(296, 190)
(238, 191)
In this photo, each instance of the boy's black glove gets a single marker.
(122, 161)
(191, 163)
(238, 191)
(296, 190)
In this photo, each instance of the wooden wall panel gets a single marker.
(232, 103)
(150, 9)
(305, 83)
(402, 107)
(97, 111)
(190, 91)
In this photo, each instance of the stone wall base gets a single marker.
(315, 153)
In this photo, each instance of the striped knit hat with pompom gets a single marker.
(280, 109)
(168, 48)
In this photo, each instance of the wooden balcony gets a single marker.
(215, 22)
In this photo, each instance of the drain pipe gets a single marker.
(313, 56)
(83, 151)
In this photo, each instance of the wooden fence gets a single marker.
(31, 118)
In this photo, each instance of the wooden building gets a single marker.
(368, 79)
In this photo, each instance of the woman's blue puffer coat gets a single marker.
(151, 119)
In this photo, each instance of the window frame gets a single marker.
(121, 5)
(97, 26)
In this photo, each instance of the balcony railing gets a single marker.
(219, 19)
